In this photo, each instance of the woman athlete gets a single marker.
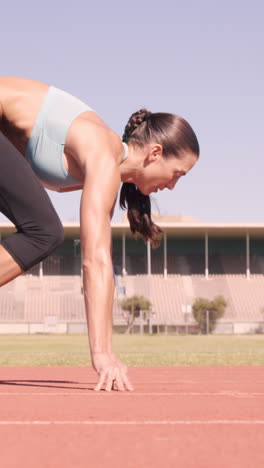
(60, 143)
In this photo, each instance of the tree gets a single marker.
(216, 309)
(132, 307)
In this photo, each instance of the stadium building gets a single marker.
(195, 259)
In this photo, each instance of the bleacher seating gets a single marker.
(30, 298)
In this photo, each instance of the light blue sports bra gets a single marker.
(45, 147)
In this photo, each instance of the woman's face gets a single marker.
(159, 172)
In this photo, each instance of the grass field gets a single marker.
(134, 350)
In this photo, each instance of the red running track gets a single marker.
(180, 417)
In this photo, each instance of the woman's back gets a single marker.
(20, 100)
(20, 103)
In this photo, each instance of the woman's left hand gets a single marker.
(111, 371)
(122, 366)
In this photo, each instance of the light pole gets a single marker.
(187, 311)
(207, 322)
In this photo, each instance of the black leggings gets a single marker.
(24, 201)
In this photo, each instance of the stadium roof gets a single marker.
(172, 228)
(199, 229)
(181, 226)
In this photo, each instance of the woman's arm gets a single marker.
(98, 197)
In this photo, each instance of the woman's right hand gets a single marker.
(111, 372)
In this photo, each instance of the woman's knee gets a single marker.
(52, 235)
(34, 241)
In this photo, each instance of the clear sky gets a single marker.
(203, 60)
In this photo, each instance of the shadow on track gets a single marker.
(45, 384)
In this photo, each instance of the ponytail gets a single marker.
(131, 198)
(138, 213)
(175, 135)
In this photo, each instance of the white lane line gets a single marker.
(132, 423)
(88, 393)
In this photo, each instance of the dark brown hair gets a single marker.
(176, 136)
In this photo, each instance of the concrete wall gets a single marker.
(81, 328)
(32, 328)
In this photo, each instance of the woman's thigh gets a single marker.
(24, 201)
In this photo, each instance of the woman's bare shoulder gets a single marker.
(90, 140)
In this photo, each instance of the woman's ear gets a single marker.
(156, 151)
